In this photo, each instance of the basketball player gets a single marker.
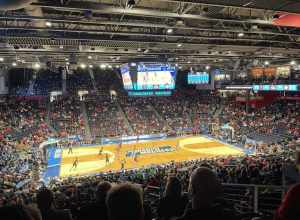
(70, 148)
(177, 145)
(123, 162)
(75, 164)
(106, 158)
(118, 150)
(136, 157)
(100, 151)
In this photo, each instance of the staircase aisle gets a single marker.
(86, 120)
(124, 117)
(160, 118)
(48, 119)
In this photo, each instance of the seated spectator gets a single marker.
(205, 188)
(290, 206)
(173, 203)
(45, 203)
(99, 207)
(17, 212)
(125, 202)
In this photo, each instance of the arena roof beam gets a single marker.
(290, 6)
(98, 22)
(127, 43)
(180, 38)
(107, 9)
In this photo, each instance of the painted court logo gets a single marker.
(150, 150)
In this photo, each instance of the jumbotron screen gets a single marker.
(148, 76)
(198, 78)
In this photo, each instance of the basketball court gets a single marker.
(114, 157)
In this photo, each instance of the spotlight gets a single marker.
(169, 30)
(117, 66)
(293, 62)
(189, 61)
(82, 66)
(179, 45)
(1, 59)
(207, 67)
(176, 64)
(180, 67)
(90, 57)
(110, 66)
(90, 66)
(61, 47)
(103, 66)
(133, 64)
(66, 59)
(48, 24)
(14, 64)
(67, 63)
(241, 34)
(266, 62)
(37, 66)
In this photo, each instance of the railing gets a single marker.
(245, 198)
(254, 198)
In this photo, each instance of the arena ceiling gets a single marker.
(188, 32)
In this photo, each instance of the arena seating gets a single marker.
(24, 126)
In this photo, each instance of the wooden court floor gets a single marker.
(95, 159)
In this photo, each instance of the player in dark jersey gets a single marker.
(75, 164)
(106, 158)
(100, 151)
(70, 148)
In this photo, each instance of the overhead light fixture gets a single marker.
(90, 57)
(14, 64)
(110, 66)
(1, 59)
(207, 67)
(176, 64)
(82, 66)
(266, 62)
(179, 45)
(61, 47)
(189, 61)
(117, 66)
(48, 24)
(241, 34)
(169, 30)
(103, 66)
(133, 64)
(139, 49)
(180, 67)
(67, 63)
(293, 62)
(37, 66)
(66, 59)
(90, 66)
